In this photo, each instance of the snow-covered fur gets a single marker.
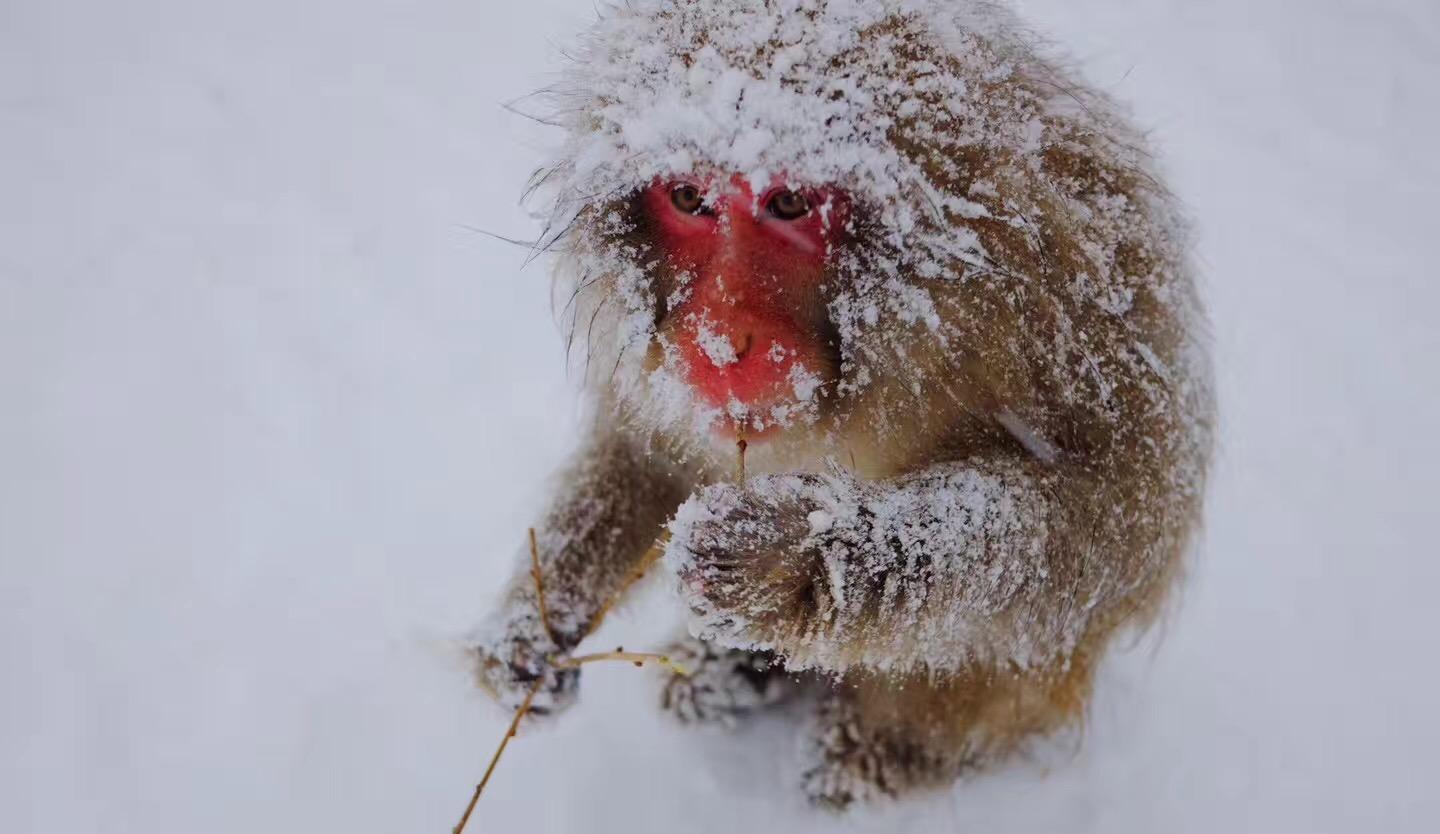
(1009, 459)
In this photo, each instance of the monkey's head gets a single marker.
(858, 229)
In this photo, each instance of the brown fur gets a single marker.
(1080, 328)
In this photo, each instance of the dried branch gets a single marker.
(638, 658)
(499, 751)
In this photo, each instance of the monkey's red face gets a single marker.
(748, 317)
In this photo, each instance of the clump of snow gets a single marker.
(804, 382)
(716, 346)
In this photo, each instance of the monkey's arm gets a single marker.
(610, 508)
(975, 559)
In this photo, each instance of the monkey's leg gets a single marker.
(723, 684)
(885, 736)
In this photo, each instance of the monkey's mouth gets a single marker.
(754, 370)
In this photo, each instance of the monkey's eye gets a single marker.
(788, 205)
(687, 198)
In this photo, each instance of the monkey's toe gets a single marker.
(843, 768)
(850, 762)
(722, 685)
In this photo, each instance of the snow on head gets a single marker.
(744, 86)
(803, 89)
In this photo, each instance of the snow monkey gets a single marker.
(933, 283)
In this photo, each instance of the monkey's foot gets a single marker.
(722, 685)
(849, 762)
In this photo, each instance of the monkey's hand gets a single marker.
(828, 571)
(514, 652)
(764, 565)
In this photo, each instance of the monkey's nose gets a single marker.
(743, 344)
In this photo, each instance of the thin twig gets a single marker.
(495, 759)
(637, 658)
(540, 586)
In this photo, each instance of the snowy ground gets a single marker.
(273, 420)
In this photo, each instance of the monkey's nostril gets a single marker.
(743, 347)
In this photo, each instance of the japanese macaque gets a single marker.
(934, 285)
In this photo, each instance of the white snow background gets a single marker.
(273, 420)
